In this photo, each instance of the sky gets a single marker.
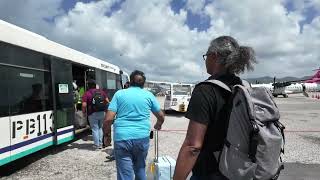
(167, 38)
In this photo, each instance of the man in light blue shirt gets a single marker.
(132, 125)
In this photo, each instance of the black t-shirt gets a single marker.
(208, 106)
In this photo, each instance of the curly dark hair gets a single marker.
(137, 78)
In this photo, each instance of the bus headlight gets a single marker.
(188, 99)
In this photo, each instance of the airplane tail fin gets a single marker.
(317, 75)
(314, 78)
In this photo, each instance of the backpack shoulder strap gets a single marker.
(218, 83)
(246, 84)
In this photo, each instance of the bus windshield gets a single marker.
(181, 90)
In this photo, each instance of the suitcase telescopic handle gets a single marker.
(156, 146)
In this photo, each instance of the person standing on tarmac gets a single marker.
(132, 108)
(95, 115)
(207, 111)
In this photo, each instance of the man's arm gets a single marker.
(160, 119)
(107, 100)
(84, 107)
(108, 122)
(189, 150)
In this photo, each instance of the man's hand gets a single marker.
(107, 140)
(157, 126)
(107, 127)
(160, 119)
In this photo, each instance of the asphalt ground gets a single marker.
(78, 160)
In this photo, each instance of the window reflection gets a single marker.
(30, 91)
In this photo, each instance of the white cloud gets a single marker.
(153, 38)
(195, 6)
(30, 14)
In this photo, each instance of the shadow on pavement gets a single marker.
(174, 114)
(21, 163)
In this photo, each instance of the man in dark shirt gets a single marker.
(95, 117)
(208, 110)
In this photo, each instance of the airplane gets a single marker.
(292, 87)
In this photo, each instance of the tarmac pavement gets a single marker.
(77, 159)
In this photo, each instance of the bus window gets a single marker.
(98, 78)
(111, 84)
(5, 53)
(4, 103)
(102, 80)
(26, 58)
(30, 91)
(118, 82)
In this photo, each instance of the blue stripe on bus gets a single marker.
(24, 143)
(64, 131)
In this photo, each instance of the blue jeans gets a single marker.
(131, 158)
(96, 121)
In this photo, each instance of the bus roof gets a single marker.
(15, 35)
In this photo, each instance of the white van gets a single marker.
(178, 97)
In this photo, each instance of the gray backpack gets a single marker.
(255, 137)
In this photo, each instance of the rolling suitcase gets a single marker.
(160, 168)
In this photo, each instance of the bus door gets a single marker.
(5, 138)
(63, 100)
(89, 75)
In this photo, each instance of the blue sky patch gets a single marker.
(289, 6)
(115, 7)
(69, 4)
(309, 14)
(177, 5)
(201, 22)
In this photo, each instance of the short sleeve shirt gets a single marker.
(87, 97)
(208, 106)
(133, 107)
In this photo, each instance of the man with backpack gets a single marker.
(94, 103)
(230, 123)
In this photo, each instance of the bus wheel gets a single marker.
(166, 111)
(285, 96)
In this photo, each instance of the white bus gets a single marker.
(37, 104)
(178, 97)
